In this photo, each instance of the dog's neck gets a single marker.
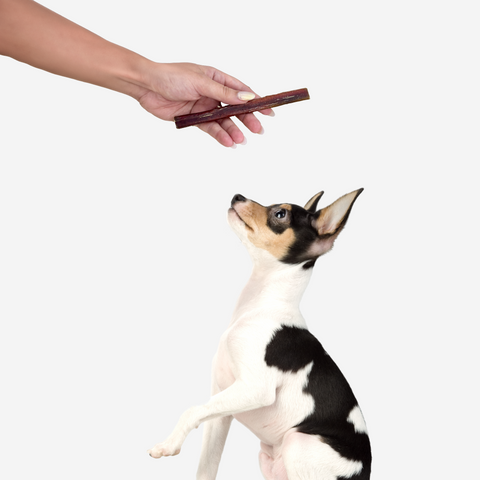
(273, 287)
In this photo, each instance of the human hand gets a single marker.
(33, 34)
(181, 88)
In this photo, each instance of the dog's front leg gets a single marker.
(240, 397)
(215, 433)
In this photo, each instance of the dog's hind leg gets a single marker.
(265, 465)
(271, 464)
(307, 457)
(266, 461)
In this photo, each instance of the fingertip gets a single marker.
(218, 133)
(226, 141)
(268, 112)
(245, 96)
(243, 142)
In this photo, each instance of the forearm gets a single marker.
(35, 35)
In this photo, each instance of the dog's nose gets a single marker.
(238, 198)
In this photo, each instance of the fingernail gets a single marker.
(244, 141)
(261, 132)
(245, 96)
(271, 114)
(234, 146)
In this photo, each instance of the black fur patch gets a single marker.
(276, 227)
(309, 264)
(293, 348)
(300, 221)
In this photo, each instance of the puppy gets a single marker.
(270, 373)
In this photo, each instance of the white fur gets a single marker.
(247, 389)
(265, 399)
(356, 418)
(307, 457)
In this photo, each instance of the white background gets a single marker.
(118, 271)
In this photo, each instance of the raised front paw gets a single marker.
(165, 449)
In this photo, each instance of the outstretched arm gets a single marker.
(35, 35)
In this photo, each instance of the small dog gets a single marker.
(270, 373)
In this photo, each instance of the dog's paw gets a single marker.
(165, 449)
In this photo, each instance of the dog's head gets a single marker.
(290, 233)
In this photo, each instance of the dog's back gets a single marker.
(336, 419)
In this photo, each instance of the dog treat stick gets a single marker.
(234, 110)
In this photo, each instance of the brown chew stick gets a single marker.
(234, 110)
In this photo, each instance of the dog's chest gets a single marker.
(246, 346)
(241, 350)
(292, 405)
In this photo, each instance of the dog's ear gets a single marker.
(311, 205)
(329, 221)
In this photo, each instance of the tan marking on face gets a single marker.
(259, 233)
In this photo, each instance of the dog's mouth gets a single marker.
(240, 218)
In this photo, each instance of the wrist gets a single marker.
(134, 75)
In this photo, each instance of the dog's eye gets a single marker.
(281, 213)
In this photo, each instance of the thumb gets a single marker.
(222, 93)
